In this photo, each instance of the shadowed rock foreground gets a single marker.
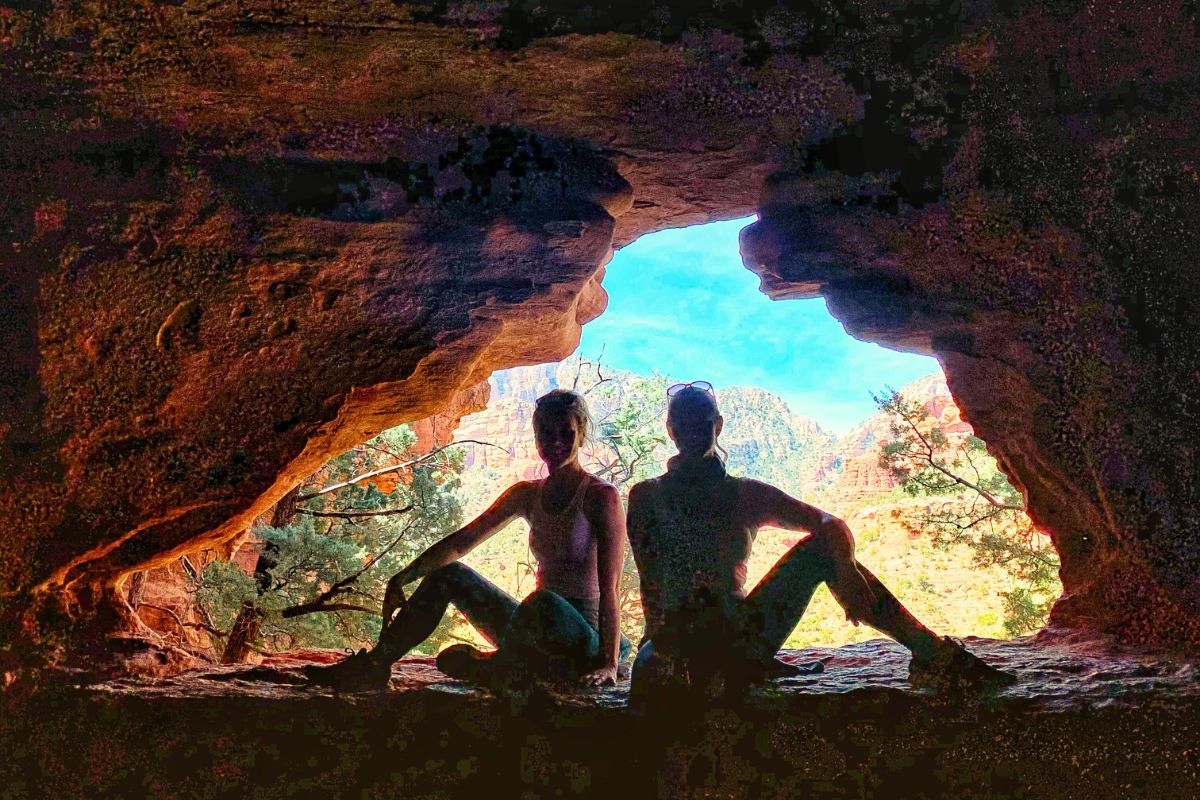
(1083, 721)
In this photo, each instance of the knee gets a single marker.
(539, 603)
(453, 574)
(814, 554)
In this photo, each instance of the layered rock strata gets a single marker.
(243, 237)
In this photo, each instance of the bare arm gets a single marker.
(774, 507)
(454, 546)
(608, 520)
(779, 509)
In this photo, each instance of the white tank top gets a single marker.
(564, 546)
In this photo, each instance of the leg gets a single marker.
(485, 605)
(777, 603)
(937, 662)
(889, 616)
(549, 636)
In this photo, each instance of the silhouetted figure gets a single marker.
(692, 530)
(569, 627)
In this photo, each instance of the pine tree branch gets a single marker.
(314, 607)
(928, 457)
(386, 512)
(394, 467)
(321, 601)
(174, 616)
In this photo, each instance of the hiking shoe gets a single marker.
(466, 663)
(953, 667)
(355, 673)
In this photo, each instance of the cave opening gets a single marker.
(807, 408)
(245, 240)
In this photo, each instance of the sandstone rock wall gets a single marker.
(242, 237)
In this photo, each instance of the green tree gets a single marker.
(630, 446)
(322, 572)
(972, 503)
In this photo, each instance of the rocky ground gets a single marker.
(1084, 719)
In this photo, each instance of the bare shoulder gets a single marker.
(516, 497)
(645, 490)
(764, 504)
(600, 492)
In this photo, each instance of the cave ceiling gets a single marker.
(243, 237)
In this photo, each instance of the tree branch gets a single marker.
(928, 457)
(320, 602)
(392, 468)
(171, 613)
(315, 606)
(387, 512)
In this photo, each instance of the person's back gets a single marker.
(694, 544)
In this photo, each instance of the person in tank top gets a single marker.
(569, 627)
(692, 530)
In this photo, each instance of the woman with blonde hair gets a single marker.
(569, 627)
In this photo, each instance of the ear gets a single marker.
(719, 424)
(670, 431)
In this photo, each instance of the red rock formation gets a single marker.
(438, 430)
(861, 478)
(854, 460)
(163, 597)
(244, 237)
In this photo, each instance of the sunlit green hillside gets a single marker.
(766, 440)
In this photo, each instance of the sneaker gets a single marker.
(953, 667)
(355, 673)
(466, 663)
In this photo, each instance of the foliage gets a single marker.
(970, 502)
(631, 447)
(324, 576)
(223, 590)
(630, 429)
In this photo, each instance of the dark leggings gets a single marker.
(765, 618)
(543, 632)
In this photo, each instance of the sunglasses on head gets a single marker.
(703, 386)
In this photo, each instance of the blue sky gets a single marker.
(681, 301)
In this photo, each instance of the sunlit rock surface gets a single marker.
(1084, 720)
